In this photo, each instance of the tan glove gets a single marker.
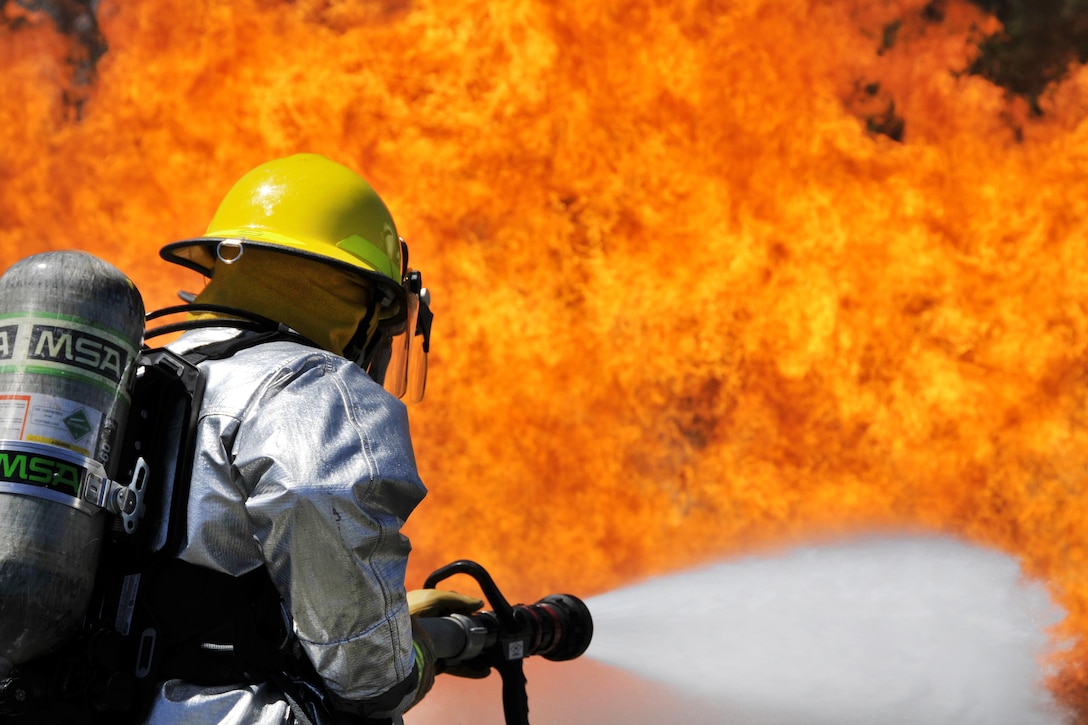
(440, 603)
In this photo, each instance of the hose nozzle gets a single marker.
(561, 624)
(558, 627)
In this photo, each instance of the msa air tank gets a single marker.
(71, 326)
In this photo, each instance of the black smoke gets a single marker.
(1040, 39)
(77, 22)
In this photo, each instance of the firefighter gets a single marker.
(304, 471)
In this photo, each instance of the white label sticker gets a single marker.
(47, 419)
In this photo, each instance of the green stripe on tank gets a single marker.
(67, 373)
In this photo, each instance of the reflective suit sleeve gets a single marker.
(328, 461)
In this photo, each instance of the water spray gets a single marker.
(885, 627)
(558, 628)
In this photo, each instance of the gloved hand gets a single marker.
(441, 603)
(426, 661)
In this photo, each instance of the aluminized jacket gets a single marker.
(305, 466)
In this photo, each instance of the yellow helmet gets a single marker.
(309, 206)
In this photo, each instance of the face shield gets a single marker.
(397, 354)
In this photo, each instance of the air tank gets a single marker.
(71, 326)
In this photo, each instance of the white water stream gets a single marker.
(880, 629)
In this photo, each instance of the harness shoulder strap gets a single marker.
(167, 398)
(227, 348)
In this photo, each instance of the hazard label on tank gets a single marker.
(48, 419)
(13, 409)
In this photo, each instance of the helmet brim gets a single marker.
(199, 254)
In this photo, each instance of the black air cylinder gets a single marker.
(71, 326)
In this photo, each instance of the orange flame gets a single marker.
(691, 297)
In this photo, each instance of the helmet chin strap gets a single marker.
(363, 334)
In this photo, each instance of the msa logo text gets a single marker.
(78, 348)
(7, 341)
(40, 471)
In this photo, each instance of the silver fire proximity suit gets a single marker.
(303, 465)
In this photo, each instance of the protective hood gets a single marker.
(316, 300)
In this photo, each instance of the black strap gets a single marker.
(227, 348)
(228, 630)
(358, 348)
(214, 628)
(225, 317)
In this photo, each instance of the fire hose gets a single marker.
(557, 627)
